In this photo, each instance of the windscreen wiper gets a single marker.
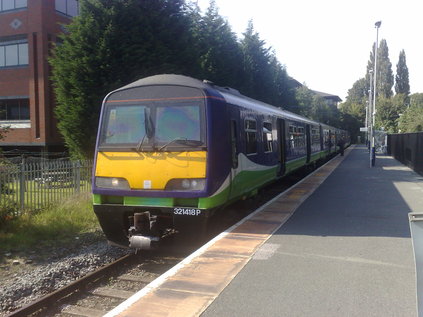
(140, 143)
(183, 141)
(149, 129)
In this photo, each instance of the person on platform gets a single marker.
(341, 144)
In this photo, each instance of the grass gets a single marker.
(50, 226)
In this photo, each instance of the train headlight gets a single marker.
(186, 184)
(112, 182)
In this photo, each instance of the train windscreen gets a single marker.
(167, 122)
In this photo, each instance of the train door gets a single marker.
(234, 145)
(235, 150)
(308, 142)
(281, 145)
(335, 141)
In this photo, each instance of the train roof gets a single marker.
(167, 79)
(250, 103)
(231, 95)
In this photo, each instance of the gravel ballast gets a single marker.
(24, 280)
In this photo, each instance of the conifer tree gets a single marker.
(385, 77)
(385, 81)
(283, 94)
(402, 84)
(112, 43)
(218, 48)
(256, 62)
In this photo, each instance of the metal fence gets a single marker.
(408, 149)
(37, 185)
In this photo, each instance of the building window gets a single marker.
(251, 136)
(67, 7)
(8, 5)
(13, 53)
(14, 109)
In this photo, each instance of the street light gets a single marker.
(373, 112)
(368, 109)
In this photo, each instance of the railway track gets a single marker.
(100, 291)
(105, 288)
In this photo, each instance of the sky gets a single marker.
(326, 44)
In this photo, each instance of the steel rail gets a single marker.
(79, 284)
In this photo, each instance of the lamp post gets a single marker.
(373, 112)
(368, 109)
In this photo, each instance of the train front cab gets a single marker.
(152, 171)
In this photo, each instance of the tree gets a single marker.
(323, 112)
(356, 102)
(256, 62)
(305, 99)
(3, 131)
(353, 110)
(112, 43)
(283, 94)
(315, 107)
(389, 111)
(385, 77)
(412, 119)
(359, 93)
(218, 48)
(351, 124)
(402, 84)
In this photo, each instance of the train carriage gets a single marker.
(171, 150)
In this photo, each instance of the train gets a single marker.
(173, 150)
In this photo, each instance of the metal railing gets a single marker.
(408, 149)
(37, 185)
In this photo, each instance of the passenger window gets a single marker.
(251, 136)
(267, 137)
(315, 136)
(296, 137)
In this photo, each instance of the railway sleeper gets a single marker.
(75, 310)
(112, 292)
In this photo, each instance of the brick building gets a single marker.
(28, 28)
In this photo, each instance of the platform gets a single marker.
(337, 244)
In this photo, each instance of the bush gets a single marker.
(8, 211)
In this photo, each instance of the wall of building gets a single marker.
(39, 23)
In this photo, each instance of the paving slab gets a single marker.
(346, 251)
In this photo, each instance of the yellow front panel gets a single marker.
(151, 170)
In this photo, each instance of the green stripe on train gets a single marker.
(244, 184)
(291, 166)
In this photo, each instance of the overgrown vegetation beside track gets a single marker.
(54, 225)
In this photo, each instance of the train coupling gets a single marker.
(143, 233)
